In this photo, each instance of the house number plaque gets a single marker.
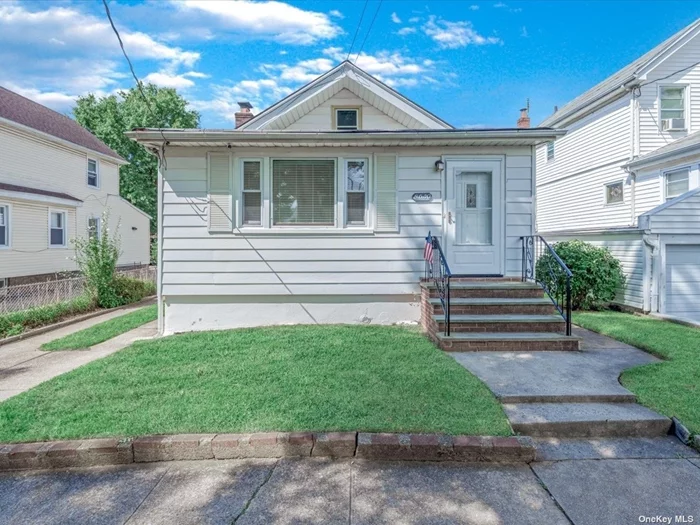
(422, 197)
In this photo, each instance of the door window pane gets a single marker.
(303, 192)
(474, 212)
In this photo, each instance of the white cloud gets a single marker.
(406, 31)
(414, 19)
(267, 20)
(395, 18)
(453, 35)
(523, 32)
(500, 5)
(195, 74)
(54, 53)
(164, 79)
(337, 14)
(474, 7)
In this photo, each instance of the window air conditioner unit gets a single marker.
(670, 124)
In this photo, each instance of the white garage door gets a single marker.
(683, 280)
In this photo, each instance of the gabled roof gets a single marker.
(685, 146)
(627, 75)
(20, 110)
(345, 75)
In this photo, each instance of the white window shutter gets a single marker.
(220, 193)
(386, 202)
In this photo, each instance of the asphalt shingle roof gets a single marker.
(28, 113)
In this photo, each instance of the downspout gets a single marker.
(159, 273)
(651, 264)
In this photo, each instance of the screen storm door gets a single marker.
(474, 217)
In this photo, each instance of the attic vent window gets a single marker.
(347, 119)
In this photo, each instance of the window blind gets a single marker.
(303, 192)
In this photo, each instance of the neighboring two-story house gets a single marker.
(626, 175)
(56, 180)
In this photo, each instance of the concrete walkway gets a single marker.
(568, 394)
(315, 491)
(23, 365)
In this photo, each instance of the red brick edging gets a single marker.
(415, 447)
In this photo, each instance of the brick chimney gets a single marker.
(524, 120)
(245, 113)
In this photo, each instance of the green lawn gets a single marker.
(671, 387)
(367, 378)
(102, 332)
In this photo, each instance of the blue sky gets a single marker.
(473, 63)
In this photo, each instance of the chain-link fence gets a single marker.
(25, 296)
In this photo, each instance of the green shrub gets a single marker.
(16, 323)
(597, 274)
(96, 257)
(129, 290)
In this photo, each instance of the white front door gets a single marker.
(474, 216)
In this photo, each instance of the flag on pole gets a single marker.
(428, 251)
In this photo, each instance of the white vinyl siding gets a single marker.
(320, 117)
(332, 262)
(682, 217)
(26, 160)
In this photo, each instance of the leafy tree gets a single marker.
(109, 117)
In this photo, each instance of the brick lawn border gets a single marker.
(179, 447)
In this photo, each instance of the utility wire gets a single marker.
(357, 30)
(369, 30)
(671, 74)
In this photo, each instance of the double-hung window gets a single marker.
(4, 226)
(94, 228)
(672, 107)
(303, 192)
(347, 119)
(356, 192)
(252, 192)
(92, 173)
(676, 183)
(57, 229)
(550, 150)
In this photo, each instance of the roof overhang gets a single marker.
(309, 139)
(654, 159)
(23, 193)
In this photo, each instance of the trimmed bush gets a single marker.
(597, 274)
(129, 290)
(16, 323)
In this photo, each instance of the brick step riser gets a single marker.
(456, 326)
(506, 293)
(545, 309)
(512, 345)
(597, 429)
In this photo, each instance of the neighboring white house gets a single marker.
(317, 209)
(626, 175)
(56, 180)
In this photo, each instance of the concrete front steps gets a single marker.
(586, 420)
(494, 315)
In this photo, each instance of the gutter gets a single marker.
(652, 159)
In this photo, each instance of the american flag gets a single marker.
(428, 250)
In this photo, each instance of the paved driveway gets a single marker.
(590, 491)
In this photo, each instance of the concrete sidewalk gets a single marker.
(317, 491)
(23, 365)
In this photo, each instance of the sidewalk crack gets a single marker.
(546, 489)
(255, 493)
(127, 520)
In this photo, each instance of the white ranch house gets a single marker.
(627, 175)
(56, 181)
(317, 209)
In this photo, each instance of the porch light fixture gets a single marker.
(439, 165)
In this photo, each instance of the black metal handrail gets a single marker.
(437, 269)
(542, 265)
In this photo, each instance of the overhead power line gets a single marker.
(357, 30)
(379, 5)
